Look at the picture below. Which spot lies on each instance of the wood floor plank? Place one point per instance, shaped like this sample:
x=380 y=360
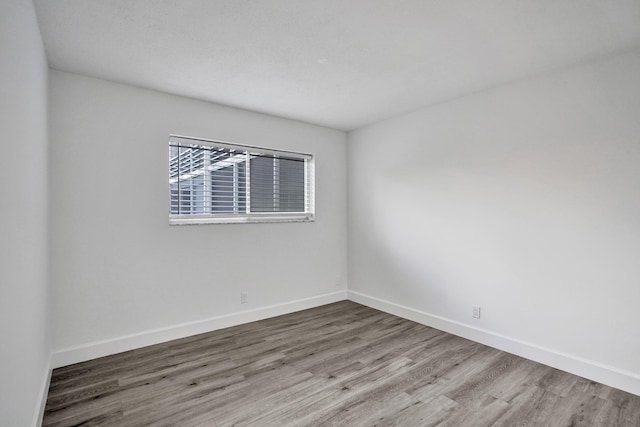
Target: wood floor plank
x=430 y=413
x=533 y=407
x=484 y=412
x=342 y=364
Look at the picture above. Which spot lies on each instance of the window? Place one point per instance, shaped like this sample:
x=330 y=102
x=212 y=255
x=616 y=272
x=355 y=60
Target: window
x=219 y=182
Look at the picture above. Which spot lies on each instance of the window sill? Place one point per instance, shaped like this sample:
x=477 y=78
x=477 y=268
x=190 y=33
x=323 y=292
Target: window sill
x=244 y=219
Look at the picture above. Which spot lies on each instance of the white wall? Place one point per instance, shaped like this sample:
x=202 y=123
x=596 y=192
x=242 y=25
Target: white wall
x=119 y=269
x=24 y=353
x=524 y=200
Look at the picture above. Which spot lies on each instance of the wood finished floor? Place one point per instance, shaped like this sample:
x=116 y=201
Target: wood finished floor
x=342 y=364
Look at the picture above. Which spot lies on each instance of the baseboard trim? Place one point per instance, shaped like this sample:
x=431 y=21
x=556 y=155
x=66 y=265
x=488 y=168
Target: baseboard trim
x=97 y=349
x=609 y=375
x=605 y=374
x=44 y=391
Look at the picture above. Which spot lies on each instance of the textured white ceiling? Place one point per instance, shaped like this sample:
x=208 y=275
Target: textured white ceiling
x=338 y=63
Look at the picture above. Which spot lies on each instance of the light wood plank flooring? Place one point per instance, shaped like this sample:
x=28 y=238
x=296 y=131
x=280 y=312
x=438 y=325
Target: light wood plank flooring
x=342 y=364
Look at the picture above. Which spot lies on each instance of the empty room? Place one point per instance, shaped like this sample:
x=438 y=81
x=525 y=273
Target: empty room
x=320 y=213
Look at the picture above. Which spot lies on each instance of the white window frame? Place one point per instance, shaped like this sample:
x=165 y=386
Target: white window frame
x=239 y=217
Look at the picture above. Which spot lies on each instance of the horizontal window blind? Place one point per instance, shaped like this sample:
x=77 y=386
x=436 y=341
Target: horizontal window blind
x=212 y=181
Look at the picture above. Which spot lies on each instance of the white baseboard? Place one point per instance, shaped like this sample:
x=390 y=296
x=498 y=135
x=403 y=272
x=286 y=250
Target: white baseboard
x=44 y=391
x=97 y=349
x=609 y=375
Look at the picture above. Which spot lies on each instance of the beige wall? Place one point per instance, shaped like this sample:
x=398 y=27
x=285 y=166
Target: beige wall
x=24 y=291
x=120 y=270
x=523 y=200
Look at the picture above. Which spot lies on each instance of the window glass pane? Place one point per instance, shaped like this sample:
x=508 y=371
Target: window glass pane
x=291 y=189
x=216 y=180
x=277 y=184
x=262 y=197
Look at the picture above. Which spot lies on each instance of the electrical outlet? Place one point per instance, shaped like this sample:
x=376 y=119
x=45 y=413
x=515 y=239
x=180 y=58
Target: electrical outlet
x=476 y=311
x=244 y=297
